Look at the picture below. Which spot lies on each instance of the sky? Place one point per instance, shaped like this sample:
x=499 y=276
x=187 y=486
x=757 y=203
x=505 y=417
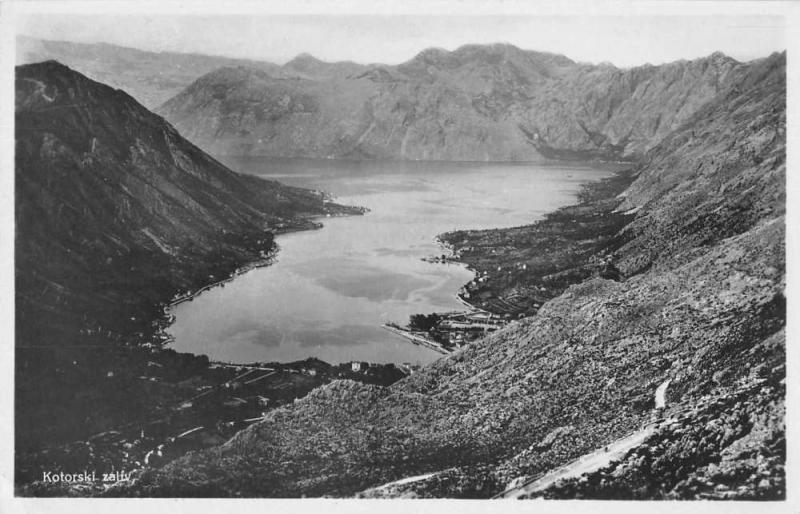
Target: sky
x=622 y=40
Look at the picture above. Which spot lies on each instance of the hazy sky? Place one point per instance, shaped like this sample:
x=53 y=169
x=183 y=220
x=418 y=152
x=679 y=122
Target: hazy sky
x=624 y=41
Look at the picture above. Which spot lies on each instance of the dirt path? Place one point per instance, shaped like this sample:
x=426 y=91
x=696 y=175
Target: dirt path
x=595 y=460
x=385 y=490
x=586 y=463
x=661 y=394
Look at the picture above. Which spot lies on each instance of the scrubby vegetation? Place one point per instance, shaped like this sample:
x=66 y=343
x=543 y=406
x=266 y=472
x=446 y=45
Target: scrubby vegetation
x=698 y=300
x=678 y=275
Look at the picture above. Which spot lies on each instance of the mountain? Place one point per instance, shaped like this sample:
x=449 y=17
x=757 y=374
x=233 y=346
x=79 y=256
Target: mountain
x=150 y=77
x=478 y=102
x=116 y=213
x=102 y=183
x=698 y=308
x=309 y=67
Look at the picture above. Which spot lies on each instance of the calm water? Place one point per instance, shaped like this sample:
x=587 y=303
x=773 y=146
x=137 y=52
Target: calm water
x=331 y=289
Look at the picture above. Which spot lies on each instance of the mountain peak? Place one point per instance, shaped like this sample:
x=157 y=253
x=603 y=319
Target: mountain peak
x=490 y=48
x=432 y=55
x=43 y=83
x=232 y=74
x=48 y=66
x=720 y=59
x=304 y=61
x=305 y=56
x=490 y=53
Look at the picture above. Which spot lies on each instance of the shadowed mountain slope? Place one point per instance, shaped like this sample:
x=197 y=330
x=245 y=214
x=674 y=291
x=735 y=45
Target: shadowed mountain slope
x=116 y=213
x=104 y=187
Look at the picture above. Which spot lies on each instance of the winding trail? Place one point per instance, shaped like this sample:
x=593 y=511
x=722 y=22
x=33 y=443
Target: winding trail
x=661 y=394
x=584 y=464
x=595 y=460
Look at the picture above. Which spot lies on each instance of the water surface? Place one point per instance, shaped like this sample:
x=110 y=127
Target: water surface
x=331 y=289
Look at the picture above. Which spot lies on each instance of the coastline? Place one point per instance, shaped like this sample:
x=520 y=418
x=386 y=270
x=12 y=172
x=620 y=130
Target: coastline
x=486 y=297
x=270 y=257
x=515 y=291
x=540 y=260
x=416 y=339
x=266 y=261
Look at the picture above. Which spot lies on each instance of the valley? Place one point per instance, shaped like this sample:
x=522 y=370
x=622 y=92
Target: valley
x=668 y=270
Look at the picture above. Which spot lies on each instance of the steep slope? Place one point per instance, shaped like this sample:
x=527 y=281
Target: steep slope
x=115 y=214
x=719 y=174
x=700 y=302
x=150 y=77
x=479 y=102
x=684 y=197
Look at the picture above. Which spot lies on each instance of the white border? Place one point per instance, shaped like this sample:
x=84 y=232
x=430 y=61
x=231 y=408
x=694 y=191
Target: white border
x=407 y=7
x=11 y=9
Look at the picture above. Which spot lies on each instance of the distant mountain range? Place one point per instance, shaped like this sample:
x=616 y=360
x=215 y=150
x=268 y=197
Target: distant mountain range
x=478 y=102
x=484 y=103
x=151 y=78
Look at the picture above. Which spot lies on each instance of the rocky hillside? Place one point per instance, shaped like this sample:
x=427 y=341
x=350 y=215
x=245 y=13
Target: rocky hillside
x=478 y=102
x=699 y=301
x=151 y=78
x=115 y=214
x=731 y=445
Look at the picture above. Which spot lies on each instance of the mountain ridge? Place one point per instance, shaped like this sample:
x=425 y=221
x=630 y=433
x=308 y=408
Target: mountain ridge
x=484 y=119
x=478 y=102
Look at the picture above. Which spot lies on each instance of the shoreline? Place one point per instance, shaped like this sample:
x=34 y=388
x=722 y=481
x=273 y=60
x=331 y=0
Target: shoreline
x=271 y=256
x=162 y=366
x=450 y=249
x=541 y=259
x=536 y=262
x=168 y=318
x=188 y=297
x=417 y=340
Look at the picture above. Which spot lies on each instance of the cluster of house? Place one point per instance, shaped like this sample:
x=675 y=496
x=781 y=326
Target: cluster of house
x=363 y=367
x=458 y=328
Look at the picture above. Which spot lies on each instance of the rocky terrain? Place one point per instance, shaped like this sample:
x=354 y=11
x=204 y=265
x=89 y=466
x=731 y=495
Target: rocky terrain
x=697 y=298
x=731 y=445
x=116 y=214
x=478 y=102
